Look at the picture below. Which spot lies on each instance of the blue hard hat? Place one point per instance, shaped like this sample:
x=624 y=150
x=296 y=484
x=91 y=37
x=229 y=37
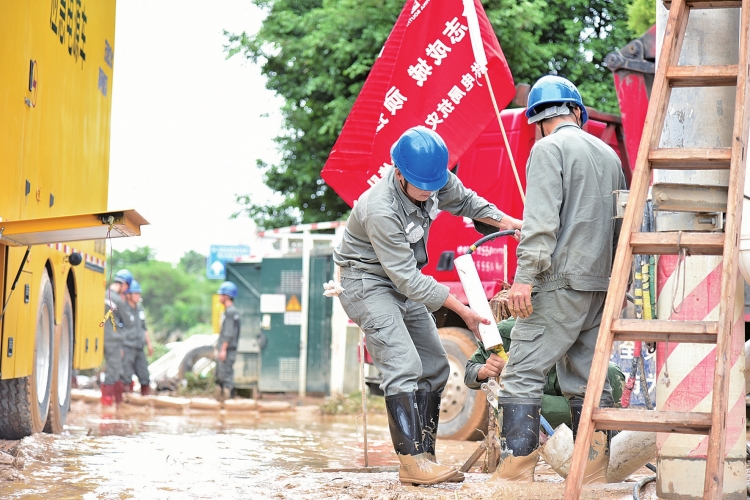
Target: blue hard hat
x=227 y=288
x=421 y=156
x=551 y=91
x=124 y=276
x=135 y=287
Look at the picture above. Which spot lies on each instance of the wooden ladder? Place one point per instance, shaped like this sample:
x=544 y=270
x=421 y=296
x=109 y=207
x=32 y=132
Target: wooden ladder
x=632 y=241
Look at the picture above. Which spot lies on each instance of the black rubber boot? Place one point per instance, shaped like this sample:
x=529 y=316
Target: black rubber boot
x=406 y=433
x=598 y=461
x=519 y=433
x=428 y=404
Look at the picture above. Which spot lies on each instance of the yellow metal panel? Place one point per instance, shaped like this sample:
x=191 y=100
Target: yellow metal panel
x=90 y=311
x=71 y=228
x=17 y=324
x=217 y=309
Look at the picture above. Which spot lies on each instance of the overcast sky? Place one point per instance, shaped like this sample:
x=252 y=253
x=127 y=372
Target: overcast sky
x=187 y=124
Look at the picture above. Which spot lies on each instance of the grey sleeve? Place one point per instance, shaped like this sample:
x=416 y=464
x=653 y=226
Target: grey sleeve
x=470 y=376
x=456 y=199
x=228 y=328
x=541 y=215
x=397 y=259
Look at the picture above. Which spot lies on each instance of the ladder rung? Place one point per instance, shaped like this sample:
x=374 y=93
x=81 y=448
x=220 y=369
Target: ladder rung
x=654 y=330
x=709 y=4
x=702 y=76
x=653 y=421
x=690 y=158
x=666 y=243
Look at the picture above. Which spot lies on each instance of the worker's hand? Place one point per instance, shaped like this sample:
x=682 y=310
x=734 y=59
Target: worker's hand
x=223 y=355
x=492 y=367
x=513 y=223
x=150 y=350
x=473 y=320
x=519 y=300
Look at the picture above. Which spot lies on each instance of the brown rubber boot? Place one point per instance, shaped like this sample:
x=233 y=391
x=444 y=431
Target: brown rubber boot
x=418 y=469
x=598 y=462
x=428 y=405
x=219 y=394
x=516 y=469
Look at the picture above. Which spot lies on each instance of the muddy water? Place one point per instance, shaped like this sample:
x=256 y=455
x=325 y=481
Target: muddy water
x=139 y=452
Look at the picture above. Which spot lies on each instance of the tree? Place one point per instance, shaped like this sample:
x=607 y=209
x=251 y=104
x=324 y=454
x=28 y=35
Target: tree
x=193 y=263
x=641 y=16
x=316 y=54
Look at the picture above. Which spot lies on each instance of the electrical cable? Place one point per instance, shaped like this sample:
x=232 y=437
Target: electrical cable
x=489 y=237
x=640 y=484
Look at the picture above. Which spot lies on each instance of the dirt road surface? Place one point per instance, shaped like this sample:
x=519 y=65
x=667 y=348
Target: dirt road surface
x=147 y=453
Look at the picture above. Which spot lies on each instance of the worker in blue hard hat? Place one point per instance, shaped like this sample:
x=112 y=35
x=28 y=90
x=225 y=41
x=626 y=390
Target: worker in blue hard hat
x=116 y=328
x=229 y=335
x=383 y=250
x=135 y=362
x=564 y=259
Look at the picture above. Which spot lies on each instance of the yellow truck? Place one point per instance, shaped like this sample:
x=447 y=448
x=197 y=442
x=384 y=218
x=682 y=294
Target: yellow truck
x=56 y=67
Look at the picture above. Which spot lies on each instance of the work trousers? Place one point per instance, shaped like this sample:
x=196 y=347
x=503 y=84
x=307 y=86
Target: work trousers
x=225 y=370
x=401 y=335
x=135 y=363
x=113 y=358
x=562 y=329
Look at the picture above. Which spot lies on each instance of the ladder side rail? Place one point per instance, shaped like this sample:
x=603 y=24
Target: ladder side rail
x=661 y=91
x=714 y=479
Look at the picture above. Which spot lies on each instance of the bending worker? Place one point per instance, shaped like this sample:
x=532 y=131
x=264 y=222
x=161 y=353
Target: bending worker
x=565 y=258
x=383 y=249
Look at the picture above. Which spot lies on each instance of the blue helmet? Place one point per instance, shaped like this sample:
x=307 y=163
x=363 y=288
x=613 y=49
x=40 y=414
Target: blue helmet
x=549 y=93
x=135 y=287
x=124 y=276
x=227 y=288
x=421 y=156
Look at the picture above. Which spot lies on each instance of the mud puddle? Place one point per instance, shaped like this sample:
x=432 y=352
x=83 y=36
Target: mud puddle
x=145 y=453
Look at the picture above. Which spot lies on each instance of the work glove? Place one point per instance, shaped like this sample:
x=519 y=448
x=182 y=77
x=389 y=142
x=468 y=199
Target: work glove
x=332 y=289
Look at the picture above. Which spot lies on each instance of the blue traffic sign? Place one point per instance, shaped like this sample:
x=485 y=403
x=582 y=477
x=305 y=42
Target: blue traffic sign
x=220 y=255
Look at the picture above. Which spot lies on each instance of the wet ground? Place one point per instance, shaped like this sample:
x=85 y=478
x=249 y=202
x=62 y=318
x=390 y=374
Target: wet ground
x=147 y=453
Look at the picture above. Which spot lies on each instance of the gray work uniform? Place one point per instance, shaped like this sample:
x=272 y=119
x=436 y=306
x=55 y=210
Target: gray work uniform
x=229 y=333
x=384 y=247
x=115 y=338
x=567 y=246
x=135 y=361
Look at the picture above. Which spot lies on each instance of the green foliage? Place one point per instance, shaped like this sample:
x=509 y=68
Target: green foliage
x=641 y=16
x=176 y=297
x=316 y=54
x=339 y=404
x=159 y=351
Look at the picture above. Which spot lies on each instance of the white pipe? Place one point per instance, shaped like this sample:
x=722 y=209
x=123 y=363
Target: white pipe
x=467 y=272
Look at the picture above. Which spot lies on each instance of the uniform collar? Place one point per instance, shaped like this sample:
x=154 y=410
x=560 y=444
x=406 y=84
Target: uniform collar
x=565 y=124
x=408 y=205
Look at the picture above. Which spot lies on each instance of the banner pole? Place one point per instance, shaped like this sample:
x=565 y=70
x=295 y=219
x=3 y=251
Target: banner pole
x=505 y=139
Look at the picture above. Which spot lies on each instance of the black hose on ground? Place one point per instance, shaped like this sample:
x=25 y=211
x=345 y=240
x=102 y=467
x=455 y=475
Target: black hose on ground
x=640 y=484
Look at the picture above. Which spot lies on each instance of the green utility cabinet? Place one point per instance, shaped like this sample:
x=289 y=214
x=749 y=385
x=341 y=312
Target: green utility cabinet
x=270 y=300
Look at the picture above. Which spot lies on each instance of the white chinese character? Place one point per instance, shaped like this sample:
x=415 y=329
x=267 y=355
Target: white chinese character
x=455 y=30
x=432 y=120
x=384 y=169
x=382 y=123
x=478 y=70
x=456 y=94
x=446 y=107
x=468 y=82
x=420 y=71
x=373 y=180
x=394 y=100
x=626 y=349
x=438 y=51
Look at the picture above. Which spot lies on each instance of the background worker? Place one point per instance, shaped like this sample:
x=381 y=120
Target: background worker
x=384 y=247
x=565 y=257
x=135 y=361
x=116 y=327
x=227 y=344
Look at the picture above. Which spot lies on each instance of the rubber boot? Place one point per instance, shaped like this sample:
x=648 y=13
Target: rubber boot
x=218 y=393
x=226 y=393
x=119 y=389
x=519 y=435
x=129 y=387
x=428 y=404
x=406 y=431
x=598 y=461
x=108 y=394
x=145 y=389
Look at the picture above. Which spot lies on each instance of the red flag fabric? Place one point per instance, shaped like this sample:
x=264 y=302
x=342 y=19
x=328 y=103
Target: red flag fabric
x=425 y=75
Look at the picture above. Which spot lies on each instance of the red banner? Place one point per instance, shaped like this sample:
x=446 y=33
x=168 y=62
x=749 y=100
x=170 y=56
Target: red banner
x=426 y=74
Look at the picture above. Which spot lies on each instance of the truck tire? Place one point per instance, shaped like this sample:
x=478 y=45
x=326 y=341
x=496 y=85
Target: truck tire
x=192 y=356
x=62 y=370
x=24 y=401
x=463 y=411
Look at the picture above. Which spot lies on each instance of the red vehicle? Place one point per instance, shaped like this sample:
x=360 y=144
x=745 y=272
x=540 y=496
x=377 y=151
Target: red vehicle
x=486 y=168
